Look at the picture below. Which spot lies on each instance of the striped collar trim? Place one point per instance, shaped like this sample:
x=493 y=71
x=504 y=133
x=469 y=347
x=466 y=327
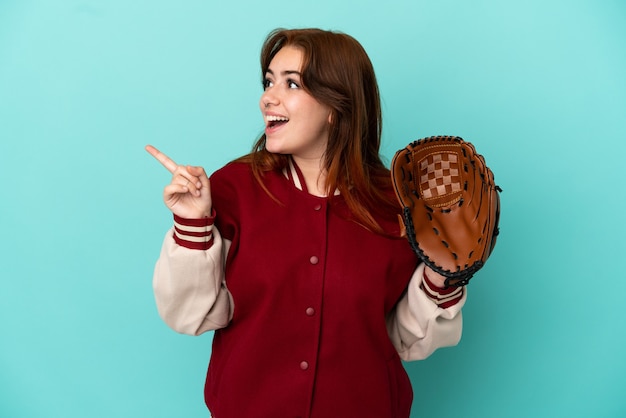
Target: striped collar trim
x=294 y=175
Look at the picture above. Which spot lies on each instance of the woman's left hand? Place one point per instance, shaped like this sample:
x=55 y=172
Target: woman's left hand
x=435 y=278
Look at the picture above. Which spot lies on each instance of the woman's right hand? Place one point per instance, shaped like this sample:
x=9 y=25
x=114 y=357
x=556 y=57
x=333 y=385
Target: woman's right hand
x=189 y=193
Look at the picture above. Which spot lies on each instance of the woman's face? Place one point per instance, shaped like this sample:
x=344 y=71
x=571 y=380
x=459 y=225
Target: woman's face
x=295 y=122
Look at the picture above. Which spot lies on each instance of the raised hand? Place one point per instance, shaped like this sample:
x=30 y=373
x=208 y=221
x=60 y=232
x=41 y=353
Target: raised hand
x=189 y=193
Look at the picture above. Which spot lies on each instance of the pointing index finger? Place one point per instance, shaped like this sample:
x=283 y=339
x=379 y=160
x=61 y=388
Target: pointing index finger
x=166 y=161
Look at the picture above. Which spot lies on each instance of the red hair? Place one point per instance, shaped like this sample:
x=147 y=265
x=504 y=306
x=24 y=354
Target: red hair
x=337 y=72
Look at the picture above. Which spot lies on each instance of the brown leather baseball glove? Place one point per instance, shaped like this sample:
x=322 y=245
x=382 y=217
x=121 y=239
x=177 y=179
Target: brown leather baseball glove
x=450 y=205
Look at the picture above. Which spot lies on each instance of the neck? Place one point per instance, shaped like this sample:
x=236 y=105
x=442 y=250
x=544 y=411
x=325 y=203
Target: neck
x=314 y=175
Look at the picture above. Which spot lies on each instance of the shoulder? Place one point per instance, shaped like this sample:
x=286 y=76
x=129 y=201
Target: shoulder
x=389 y=211
x=228 y=182
x=237 y=180
x=232 y=171
x=241 y=175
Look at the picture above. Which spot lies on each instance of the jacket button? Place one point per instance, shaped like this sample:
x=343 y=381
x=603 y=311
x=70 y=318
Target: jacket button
x=304 y=365
x=314 y=260
x=317 y=207
x=310 y=311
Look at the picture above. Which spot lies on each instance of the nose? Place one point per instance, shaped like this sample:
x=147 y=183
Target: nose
x=268 y=98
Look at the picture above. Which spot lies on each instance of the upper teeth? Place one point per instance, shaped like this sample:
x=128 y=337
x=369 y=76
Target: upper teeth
x=271 y=118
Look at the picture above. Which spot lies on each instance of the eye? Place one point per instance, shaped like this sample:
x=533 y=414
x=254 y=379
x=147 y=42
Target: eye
x=267 y=83
x=292 y=84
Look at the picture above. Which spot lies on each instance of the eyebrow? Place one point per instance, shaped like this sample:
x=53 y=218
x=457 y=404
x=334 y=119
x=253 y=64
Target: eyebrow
x=287 y=72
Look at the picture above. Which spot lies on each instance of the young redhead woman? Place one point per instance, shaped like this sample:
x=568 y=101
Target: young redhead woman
x=293 y=254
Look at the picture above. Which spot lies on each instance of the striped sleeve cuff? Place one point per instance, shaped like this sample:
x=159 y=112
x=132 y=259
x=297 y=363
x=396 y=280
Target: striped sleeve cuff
x=443 y=297
x=196 y=234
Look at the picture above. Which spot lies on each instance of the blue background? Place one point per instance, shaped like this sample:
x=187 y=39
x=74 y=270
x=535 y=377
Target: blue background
x=538 y=86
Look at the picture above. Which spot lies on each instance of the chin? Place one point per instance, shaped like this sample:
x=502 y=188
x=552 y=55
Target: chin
x=273 y=148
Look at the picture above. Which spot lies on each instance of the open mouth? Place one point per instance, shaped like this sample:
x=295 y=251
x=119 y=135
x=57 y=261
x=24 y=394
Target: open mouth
x=274 y=121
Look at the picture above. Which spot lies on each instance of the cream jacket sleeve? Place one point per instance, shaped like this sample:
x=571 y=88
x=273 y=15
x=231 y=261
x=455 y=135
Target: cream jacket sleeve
x=419 y=325
x=189 y=286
